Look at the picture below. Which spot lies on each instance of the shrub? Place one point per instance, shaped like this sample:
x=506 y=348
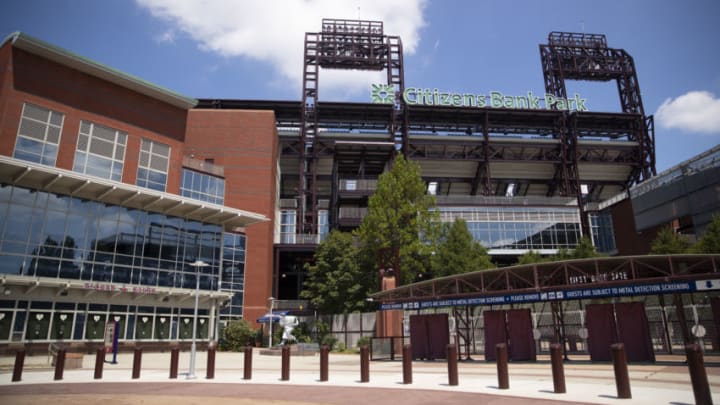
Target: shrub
x=237 y=335
x=363 y=341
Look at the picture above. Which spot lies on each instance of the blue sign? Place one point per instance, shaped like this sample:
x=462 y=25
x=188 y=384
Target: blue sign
x=561 y=295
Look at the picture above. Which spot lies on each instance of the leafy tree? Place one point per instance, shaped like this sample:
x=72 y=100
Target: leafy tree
x=400 y=226
x=584 y=249
x=668 y=242
x=335 y=283
x=459 y=252
x=709 y=242
x=236 y=335
x=531 y=257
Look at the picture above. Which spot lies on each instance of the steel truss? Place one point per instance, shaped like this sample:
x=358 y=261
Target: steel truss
x=343 y=44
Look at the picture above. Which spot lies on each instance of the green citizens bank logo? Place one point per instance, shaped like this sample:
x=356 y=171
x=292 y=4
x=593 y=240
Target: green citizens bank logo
x=383 y=94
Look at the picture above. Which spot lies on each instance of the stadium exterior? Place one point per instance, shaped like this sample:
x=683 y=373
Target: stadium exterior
x=112 y=187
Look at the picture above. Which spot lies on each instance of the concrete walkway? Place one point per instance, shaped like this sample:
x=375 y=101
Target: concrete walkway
x=665 y=382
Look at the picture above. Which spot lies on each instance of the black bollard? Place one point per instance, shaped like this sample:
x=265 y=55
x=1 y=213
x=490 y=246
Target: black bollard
x=407 y=364
x=212 y=348
x=364 y=364
x=285 y=363
x=501 y=353
x=174 y=362
x=324 y=353
x=247 y=363
x=622 y=379
x=59 y=364
x=19 y=364
x=558 y=371
x=137 y=360
x=452 y=363
x=698 y=375
x=99 y=362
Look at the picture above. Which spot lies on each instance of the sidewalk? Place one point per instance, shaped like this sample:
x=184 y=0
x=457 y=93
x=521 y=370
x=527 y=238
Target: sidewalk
x=666 y=382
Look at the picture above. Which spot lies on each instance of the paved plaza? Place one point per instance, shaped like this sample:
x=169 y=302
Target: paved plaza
x=665 y=382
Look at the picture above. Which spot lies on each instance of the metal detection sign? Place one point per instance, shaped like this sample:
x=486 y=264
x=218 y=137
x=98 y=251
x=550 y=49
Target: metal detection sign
x=385 y=94
x=566 y=295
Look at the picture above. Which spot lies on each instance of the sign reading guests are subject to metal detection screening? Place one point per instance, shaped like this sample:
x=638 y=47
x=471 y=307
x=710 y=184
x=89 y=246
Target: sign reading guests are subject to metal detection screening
x=385 y=94
x=562 y=295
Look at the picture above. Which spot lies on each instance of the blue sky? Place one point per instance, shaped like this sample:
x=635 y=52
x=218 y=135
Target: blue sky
x=251 y=49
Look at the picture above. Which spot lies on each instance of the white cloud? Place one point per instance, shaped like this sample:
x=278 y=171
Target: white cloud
x=167 y=37
x=695 y=111
x=273 y=31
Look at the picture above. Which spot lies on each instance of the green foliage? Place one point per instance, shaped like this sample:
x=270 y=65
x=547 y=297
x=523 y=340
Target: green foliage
x=363 y=341
x=236 y=335
x=399 y=212
x=302 y=333
x=329 y=341
x=709 y=242
x=668 y=242
x=335 y=283
x=531 y=257
x=459 y=252
x=584 y=249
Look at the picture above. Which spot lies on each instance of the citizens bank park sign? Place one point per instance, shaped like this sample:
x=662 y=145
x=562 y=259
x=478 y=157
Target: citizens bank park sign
x=385 y=94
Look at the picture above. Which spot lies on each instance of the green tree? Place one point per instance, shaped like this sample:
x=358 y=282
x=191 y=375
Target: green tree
x=668 y=242
x=236 y=335
x=335 y=283
x=400 y=223
x=709 y=242
x=531 y=257
x=584 y=249
x=458 y=252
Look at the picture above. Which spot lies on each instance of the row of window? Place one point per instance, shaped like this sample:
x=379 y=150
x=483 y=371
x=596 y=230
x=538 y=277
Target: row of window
x=41 y=320
x=101 y=151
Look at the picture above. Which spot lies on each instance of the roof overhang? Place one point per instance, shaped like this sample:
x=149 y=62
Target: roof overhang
x=65 y=182
x=66 y=58
x=45 y=288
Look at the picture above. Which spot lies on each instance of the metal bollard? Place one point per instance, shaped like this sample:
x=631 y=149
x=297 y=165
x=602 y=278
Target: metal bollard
x=698 y=375
x=622 y=379
x=174 y=362
x=407 y=364
x=137 y=360
x=452 y=362
x=19 y=364
x=558 y=371
x=364 y=364
x=247 y=363
x=501 y=353
x=210 y=374
x=99 y=362
x=60 y=364
x=324 y=352
x=285 y=363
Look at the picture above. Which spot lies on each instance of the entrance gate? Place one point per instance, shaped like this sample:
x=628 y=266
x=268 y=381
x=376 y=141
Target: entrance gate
x=624 y=323
x=513 y=327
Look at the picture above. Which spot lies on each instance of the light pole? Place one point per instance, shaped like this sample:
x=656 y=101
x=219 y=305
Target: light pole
x=197 y=264
x=272 y=302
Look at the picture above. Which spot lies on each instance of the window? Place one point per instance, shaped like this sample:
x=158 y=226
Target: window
x=203 y=187
x=287 y=226
x=38 y=135
x=153 y=165
x=323 y=224
x=100 y=151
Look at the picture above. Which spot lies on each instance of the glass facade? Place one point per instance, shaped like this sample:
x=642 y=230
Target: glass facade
x=233 y=273
x=287 y=226
x=603 y=236
x=100 y=151
x=38 y=135
x=153 y=165
x=519 y=228
x=203 y=187
x=49 y=235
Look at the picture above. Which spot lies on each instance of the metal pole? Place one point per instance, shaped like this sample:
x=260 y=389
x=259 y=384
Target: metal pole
x=19 y=363
x=698 y=375
x=99 y=361
x=407 y=364
x=364 y=364
x=452 y=363
x=247 y=363
x=285 y=364
x=501 y=353
x=622 y=379
x=272 y=301
x=324 y=350
x=558 y=371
